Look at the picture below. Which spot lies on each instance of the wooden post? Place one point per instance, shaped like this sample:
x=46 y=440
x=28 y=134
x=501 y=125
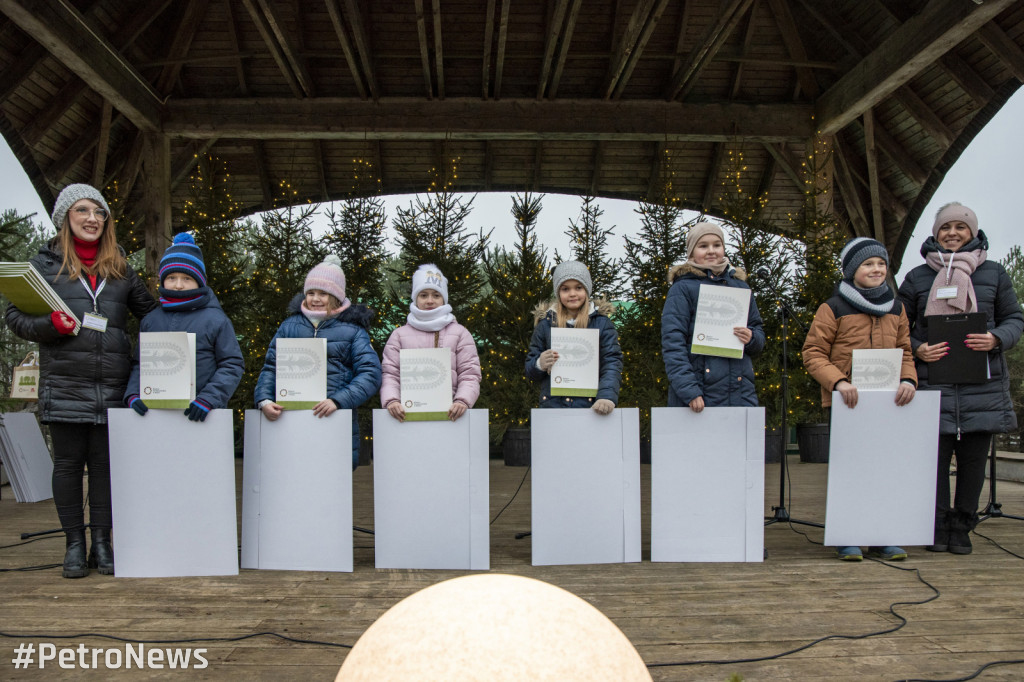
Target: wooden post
x=156 y=211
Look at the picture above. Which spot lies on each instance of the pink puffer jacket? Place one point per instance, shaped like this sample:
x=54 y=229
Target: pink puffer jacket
x=465 y=361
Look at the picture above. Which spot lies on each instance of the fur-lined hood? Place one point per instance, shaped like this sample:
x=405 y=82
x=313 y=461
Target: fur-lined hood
x=356 y=314
x=602 y=306
x=687 y=268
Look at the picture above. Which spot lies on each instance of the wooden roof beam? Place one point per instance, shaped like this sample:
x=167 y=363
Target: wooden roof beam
x=421 y=31
x=631 y=45
x=412 y=118
x=748 y=39
x=871 y=156
x=851 y=196
x=795 y=46
x=538 y=164
x=271 y=28
x=355 y=18
x=789 y=165
x=858 y=169
x=259 y=153
x=563 y=48
x=183 y=35
x=499 y=57
x=69 y=36
x=1004 y=47
x=488 y=48
x=655 y=181
x=925 y=116
x=711 y=181
x=243 y=86
x=595 y=167
x=899 y=155
x=438 y=48
x=936 y=29
x=702 y=54
x=550 y=45
x=321 y=169
x=187 y=159
x=99 y=162
x=337 y=19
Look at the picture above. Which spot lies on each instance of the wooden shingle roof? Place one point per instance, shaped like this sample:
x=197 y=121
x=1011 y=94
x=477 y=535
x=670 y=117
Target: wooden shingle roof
x=573 y=96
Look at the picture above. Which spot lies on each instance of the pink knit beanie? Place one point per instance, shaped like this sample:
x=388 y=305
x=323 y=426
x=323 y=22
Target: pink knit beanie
x=327 y=276
x=955 y=211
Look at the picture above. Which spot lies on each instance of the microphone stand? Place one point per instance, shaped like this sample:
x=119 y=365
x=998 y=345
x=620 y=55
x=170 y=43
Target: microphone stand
x=780 y=514
x=994 y=510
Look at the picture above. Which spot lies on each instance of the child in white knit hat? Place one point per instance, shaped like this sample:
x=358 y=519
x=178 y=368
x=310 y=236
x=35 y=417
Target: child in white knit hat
x=353 y=370
x=431 y=324
x=573 y=307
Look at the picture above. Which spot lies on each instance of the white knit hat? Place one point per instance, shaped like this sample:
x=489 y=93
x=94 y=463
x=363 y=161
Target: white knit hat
x=429 y=276
x=69 y=196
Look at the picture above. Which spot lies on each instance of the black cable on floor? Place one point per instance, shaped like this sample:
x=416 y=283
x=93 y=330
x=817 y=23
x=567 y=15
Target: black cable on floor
x=191 y=640
x=968 y=677
x=513 y=497
x=41 y=567
x=980 y=535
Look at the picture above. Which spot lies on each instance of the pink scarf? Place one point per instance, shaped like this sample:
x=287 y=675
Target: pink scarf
x=317 y=316
x=953 y=271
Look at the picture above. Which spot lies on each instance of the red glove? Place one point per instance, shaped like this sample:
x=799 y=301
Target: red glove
x=61 y=322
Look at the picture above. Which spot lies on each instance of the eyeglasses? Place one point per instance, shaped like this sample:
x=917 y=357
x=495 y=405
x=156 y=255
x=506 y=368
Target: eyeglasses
x=84 y=213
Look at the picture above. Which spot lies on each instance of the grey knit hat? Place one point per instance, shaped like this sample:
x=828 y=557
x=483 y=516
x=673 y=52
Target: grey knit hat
x=858 y=250
x=572 y=269
x=699 y=230
x=72 y=194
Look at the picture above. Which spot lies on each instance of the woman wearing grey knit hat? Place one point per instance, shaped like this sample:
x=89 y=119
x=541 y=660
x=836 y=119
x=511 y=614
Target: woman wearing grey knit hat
x=958 y=278
x=84 y=369
x=572 y=307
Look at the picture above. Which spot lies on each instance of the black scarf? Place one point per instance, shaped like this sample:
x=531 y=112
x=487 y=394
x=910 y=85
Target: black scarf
x=877 y=301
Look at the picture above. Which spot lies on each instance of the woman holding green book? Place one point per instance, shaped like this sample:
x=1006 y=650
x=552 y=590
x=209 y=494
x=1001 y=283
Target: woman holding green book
x=83 y=369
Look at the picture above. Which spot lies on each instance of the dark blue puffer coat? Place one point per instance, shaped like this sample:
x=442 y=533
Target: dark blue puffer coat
x=970 y=408
x=609 y=372
x=353 y=368
x=219 y=363
x=723 y=382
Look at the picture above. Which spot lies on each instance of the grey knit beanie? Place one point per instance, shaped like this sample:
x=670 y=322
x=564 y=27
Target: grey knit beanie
x=69 y=196
x=699 y=230
x=572 y=269
x=858 y=250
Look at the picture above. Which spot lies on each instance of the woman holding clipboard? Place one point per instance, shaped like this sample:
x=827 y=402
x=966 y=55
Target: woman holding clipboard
x=956 y=280
x=83 y=371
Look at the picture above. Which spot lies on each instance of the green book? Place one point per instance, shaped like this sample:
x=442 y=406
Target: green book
x=30 y=293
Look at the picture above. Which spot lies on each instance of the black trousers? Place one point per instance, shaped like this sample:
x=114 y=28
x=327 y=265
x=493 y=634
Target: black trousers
x=75 y=447
x=971 y=453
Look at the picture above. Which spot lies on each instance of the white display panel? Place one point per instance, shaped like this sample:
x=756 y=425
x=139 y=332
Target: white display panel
x=297 y=492
x=707 y=484
x=881 y=470
x=25 y=457
x=586 y=486
x=430 y=492
x=172 y=488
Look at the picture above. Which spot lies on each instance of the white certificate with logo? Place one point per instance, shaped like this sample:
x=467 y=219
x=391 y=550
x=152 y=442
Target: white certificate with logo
x=301 y=377
x=167 y=369
x=876 y=369
x=719 y=309
x=575 y=373
x=426 y=378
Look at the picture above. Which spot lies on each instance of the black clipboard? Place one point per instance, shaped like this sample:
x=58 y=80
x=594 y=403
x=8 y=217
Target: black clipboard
x=962 y=365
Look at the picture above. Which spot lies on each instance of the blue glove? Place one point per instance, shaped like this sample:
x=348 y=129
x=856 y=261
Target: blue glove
x=136 y=404
x=197 y=411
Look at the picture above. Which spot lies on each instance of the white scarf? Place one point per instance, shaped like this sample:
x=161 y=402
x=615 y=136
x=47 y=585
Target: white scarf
x=430 y=320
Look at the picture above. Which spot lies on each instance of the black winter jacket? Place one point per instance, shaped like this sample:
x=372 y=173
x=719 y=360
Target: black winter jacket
x=81 y=376
x=970 y=408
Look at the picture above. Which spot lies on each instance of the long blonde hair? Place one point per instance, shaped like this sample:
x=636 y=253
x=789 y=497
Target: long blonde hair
x=562 y=315
x=110 y=264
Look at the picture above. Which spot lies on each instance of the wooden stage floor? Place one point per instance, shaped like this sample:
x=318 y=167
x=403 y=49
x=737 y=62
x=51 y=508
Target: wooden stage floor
x=671 y=612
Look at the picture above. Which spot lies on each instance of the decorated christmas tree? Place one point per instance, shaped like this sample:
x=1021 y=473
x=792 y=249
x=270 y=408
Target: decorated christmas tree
x=589 y=245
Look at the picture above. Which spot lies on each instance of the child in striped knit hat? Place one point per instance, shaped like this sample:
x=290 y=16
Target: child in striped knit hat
x=188 y=305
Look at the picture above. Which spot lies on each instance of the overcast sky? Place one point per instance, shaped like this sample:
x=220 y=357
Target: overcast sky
x=989 y=178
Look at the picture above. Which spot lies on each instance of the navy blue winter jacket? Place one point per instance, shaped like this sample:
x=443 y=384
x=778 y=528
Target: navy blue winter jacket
x=609 y=372
x=353 y=368
x=219 y=363
x=722 y=382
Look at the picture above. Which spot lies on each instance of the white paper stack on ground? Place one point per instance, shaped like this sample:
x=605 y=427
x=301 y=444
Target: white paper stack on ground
x=881 y=470
x=167 y=369
x=25 y=288
x=297 y=492
x=426 y=383
x=586 y=486
x=707 y=484
x=430 y=492
x=876 y=369
x=301 y=373
x=25 y=457
x=719 y=309
x=575 y=373
x=172 y=486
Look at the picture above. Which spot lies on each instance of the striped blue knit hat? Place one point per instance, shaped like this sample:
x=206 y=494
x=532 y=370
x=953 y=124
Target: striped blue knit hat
x=858 y=250
x=183 y=256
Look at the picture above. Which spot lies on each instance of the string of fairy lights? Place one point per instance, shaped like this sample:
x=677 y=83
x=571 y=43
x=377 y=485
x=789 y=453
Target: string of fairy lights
x=504 y=285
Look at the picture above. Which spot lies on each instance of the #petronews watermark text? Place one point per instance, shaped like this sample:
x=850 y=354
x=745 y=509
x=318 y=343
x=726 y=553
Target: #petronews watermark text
x=111 y=658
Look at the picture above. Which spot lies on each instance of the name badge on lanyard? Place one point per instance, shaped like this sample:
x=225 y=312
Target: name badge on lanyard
x=946 y=292
x=94 y=320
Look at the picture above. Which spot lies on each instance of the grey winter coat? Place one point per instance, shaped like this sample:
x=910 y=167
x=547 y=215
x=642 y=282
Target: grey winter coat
x=81 y=376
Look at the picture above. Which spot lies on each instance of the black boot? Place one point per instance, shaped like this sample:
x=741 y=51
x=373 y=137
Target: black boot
x=941 y=543
x=74 y=557
x=101 y=557
x=960 y=526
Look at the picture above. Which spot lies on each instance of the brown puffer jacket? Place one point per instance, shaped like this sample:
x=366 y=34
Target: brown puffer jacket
x=839 y=328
